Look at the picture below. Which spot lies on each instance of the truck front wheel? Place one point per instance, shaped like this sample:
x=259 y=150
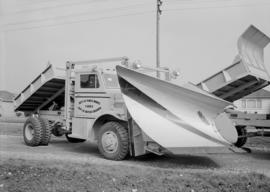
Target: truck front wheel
x=113 y=141
x=32 y=131
x=241 y=130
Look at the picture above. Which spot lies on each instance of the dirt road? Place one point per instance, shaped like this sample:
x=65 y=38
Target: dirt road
x=75 y=162
x=60 y=150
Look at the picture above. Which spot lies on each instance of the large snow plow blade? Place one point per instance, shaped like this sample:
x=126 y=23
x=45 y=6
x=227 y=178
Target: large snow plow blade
x=173 y=116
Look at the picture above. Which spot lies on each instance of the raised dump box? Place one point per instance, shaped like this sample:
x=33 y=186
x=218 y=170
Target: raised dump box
x=49 y=86
x=247 y=74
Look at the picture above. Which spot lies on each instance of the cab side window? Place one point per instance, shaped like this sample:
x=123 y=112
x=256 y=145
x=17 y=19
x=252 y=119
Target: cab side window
x=89 y=81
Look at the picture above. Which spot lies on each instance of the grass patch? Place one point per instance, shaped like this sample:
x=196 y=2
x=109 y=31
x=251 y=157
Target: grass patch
x=33 y=176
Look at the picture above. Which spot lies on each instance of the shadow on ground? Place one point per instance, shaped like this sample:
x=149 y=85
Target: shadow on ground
x=176 y=161
x=262 y=155
x=152 y=160
x=78 y=148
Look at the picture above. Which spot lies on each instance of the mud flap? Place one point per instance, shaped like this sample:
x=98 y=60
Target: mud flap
x=174 y=116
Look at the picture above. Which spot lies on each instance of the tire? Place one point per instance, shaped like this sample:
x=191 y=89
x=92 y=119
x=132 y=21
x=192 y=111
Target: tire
x=241 y=141
x=115 y=136
x=46 y=131
x=56 y=132
x=32 y=131
x=74 y=140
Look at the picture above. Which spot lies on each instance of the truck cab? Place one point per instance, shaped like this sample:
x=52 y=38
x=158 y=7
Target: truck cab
x=96 y=96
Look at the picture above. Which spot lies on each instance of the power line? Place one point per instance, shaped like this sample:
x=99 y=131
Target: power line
x=79 y=14
x=93 y=1
x=83 y=20
x=56 y=6
x=42 y=2
x=215 y=7
x=61 y=5
x=48 y=1
x=190 y=2
x=123 y=8
x=201 y=1
x=123 y=15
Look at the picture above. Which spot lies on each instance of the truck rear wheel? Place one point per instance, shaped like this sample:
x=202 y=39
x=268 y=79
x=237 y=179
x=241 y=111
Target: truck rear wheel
x=32 y=131
x=113 y=141
x=241 y=130
x=74 y=140
x=46 y=131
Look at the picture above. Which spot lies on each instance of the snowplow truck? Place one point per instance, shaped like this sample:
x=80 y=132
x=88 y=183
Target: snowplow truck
x=123 y=108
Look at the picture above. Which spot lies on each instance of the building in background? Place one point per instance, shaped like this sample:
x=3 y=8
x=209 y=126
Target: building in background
x=257 y=102
x=6 y=104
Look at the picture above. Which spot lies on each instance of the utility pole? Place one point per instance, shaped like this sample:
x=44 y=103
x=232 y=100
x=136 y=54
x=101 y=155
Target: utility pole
x=159 y=3
x=2 y=47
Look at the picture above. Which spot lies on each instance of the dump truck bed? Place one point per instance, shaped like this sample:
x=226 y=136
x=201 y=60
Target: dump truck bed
x=47 y=87
x=235 y=81
x=247 y=74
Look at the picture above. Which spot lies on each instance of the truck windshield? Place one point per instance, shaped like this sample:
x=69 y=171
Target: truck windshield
x=110 y=80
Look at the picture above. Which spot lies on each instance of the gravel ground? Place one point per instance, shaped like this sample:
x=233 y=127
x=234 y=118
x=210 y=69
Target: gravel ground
x=63 y=166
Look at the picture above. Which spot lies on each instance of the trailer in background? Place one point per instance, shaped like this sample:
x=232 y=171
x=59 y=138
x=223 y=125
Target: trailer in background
x=246 y=75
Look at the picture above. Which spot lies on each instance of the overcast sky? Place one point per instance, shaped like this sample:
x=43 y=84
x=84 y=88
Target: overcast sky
x=198 y=37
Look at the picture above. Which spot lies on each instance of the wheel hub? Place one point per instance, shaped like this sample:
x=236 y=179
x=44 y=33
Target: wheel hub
x=109 y=142
x=29 y=132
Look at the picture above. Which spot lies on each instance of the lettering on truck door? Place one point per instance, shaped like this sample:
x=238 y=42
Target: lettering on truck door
x=90 y=96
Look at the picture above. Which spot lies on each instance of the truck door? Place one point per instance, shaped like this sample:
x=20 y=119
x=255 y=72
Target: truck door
x=90 y=96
